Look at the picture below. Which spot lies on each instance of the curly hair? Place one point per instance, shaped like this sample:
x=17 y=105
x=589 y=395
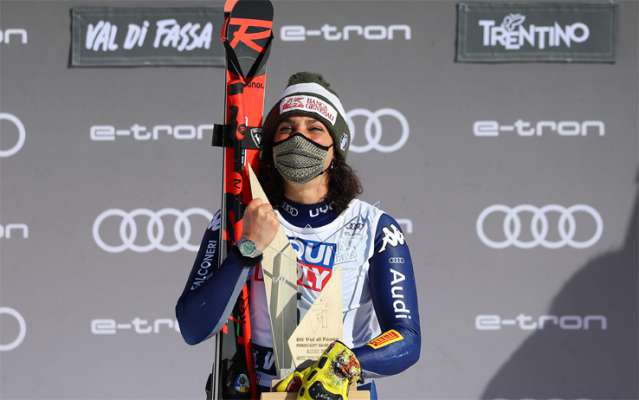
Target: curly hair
x=343 y=183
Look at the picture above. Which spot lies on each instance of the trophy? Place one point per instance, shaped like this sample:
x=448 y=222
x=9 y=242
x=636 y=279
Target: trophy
x=295 y=343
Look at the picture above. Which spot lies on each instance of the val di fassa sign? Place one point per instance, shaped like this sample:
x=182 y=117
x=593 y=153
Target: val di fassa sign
x=105 y=36
x=538 y=31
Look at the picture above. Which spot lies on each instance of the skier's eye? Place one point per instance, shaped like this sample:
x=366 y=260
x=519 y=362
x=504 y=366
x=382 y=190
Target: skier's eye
x=317 y=128
x=285 y=128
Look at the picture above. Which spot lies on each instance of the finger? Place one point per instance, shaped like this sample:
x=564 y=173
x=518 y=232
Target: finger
x=266 y=206
x=265 y=210
x=254 y=204
x=291 y=383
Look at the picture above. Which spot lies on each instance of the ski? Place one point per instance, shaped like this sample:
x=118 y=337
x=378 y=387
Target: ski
x=247 y=35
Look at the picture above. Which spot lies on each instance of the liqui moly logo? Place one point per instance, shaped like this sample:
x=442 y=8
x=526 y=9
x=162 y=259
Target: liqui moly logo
x=512 y=34
x=315 y=262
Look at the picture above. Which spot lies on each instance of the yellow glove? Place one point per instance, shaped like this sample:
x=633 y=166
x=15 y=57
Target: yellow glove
x=326 y=379
x=293 y=381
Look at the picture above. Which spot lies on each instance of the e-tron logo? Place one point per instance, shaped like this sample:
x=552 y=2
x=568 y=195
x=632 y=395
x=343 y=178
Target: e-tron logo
x=137 y=325
x=155 y=229
x=331 y=33
x=9 y=231
x=512 y=35
x=523 y=128
x=540 y=398
x=22 y=328
x=22 y=134
x=8 y=36
x=540 y=226
x=142 y=133
x=491 y=322
x=373 y=131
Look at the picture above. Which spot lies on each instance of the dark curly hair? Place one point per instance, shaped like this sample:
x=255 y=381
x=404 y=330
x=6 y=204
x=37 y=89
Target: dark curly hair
x=343 y=183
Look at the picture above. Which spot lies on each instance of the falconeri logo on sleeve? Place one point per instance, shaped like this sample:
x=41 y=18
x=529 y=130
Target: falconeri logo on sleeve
x=538 y=31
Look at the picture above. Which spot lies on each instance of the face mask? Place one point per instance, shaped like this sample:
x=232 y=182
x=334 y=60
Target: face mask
x=299 y=159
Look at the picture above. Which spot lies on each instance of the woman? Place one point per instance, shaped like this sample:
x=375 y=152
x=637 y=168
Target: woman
x=305 y=176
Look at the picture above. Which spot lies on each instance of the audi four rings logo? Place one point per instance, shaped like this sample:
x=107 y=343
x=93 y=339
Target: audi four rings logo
x=373 y=129
x=539 y=226
x=22 y=135
x=155 y=229
x=22 y=329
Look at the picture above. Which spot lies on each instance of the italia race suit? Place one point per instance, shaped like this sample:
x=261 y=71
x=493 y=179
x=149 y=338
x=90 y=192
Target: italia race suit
x=380 y=309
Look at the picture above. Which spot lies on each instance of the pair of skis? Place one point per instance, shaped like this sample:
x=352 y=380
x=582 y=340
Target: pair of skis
x=247 y=36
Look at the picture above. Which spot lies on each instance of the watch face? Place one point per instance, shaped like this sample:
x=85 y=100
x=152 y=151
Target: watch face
x=247 y=248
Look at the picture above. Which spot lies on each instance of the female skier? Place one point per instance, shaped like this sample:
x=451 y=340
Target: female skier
x=305 y=176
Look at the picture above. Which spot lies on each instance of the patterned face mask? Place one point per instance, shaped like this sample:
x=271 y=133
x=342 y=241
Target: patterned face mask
x=299 y=159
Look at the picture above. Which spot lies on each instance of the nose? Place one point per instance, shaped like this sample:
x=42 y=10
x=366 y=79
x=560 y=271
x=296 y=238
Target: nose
x=303 y=130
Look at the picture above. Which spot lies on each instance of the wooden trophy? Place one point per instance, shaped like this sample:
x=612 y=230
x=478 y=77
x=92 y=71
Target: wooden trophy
x=322 y=324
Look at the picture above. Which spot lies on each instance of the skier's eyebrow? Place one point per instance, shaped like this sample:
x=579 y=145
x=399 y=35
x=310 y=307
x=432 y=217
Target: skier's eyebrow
x=308 y=121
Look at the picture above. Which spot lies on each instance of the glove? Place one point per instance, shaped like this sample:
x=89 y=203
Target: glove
x=325 y=379
x=293 y=381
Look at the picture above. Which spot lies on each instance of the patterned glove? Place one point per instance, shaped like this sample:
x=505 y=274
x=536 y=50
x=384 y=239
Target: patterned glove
x=326 y=379
x=293 y=381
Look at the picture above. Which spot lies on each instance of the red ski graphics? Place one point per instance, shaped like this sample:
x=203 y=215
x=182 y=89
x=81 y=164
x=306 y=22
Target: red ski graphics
x=308 y=103
x=315 y=262
x=241 y=34
x=247 y=36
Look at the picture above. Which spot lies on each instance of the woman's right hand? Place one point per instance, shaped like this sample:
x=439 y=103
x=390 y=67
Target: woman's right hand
x=260 y=223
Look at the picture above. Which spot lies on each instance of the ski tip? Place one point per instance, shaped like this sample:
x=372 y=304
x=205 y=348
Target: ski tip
x=228 y=5
x=257 y=9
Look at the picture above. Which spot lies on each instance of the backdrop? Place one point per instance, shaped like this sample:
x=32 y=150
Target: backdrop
x=516 y=184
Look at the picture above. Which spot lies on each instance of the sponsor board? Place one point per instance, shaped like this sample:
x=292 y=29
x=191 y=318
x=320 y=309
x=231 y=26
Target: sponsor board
x=14 y=231
x=22 y=134
x=135 y=36
x=137 y=325
x=14 y=36
x=152 y=233
x=535 y=31
x=523 y=128
x=374 y=129
x=495 y=322
x=566 y=233
x=11 y=313
x=146 y=133
x=332 y=33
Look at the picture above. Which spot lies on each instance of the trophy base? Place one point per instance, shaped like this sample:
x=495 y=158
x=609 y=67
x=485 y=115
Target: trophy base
x=353 y=394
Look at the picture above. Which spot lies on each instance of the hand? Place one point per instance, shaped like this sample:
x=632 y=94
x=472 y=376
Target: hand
x=293 y=381
x=328 y=377
x=260 y=223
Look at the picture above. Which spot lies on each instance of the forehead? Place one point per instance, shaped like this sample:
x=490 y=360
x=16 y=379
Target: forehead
x=299 y=119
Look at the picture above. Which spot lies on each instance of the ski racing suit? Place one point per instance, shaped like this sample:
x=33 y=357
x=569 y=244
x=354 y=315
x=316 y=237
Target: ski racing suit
x=381 y=316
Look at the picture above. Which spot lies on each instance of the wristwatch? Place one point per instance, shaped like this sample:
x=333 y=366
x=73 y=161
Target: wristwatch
x=247 y=248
